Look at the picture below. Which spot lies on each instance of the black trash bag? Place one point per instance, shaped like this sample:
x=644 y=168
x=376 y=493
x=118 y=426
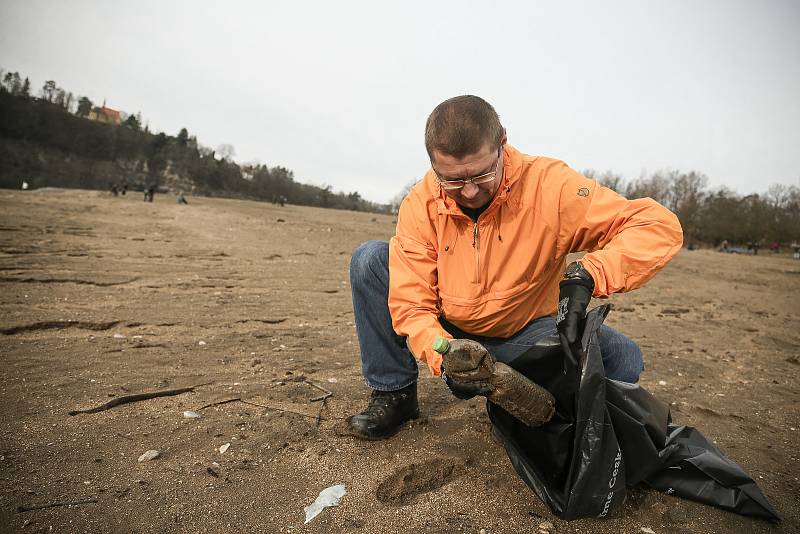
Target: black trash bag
x=606 y=435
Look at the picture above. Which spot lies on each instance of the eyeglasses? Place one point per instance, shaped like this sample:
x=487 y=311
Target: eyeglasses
x=455 y=185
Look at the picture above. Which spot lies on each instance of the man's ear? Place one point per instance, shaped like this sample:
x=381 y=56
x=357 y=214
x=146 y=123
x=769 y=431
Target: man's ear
x=504 y=140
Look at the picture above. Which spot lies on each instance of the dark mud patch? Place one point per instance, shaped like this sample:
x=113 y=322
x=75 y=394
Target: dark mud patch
x=412 y=480
x=711 y=412
x=265 y=321
x=149 y=346
x=675 y=311
x=58 y=325
x=65 y=281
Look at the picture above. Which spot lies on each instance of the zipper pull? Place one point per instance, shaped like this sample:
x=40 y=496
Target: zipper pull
x=474 y=234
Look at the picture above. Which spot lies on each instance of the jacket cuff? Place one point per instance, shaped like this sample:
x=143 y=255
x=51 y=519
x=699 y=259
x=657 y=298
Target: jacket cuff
x=421 y=348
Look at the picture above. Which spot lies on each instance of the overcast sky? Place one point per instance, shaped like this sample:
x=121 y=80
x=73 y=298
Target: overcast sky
x=339 y=91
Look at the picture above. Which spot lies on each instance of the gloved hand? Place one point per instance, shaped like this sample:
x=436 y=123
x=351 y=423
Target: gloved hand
x=464 y=391
x=575 y=293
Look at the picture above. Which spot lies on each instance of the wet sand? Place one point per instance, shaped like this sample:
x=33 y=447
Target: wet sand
x=104 y=297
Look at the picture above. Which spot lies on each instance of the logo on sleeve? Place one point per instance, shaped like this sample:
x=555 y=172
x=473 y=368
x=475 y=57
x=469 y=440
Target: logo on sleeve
x=583 y=192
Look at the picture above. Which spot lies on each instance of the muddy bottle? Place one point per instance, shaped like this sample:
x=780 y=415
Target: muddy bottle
x=468 y=362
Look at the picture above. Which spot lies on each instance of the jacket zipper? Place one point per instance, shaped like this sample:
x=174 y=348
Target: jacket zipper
x=476 y=244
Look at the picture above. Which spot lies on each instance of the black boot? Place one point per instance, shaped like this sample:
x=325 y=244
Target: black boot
x=386 y=413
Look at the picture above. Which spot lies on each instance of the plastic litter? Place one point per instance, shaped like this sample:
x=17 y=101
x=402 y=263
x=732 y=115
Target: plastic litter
x=608 y=435
x=328 y=497
x=189 y=414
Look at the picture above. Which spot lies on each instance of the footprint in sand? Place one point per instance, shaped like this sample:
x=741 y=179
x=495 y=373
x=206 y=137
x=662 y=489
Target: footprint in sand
x=409 y=481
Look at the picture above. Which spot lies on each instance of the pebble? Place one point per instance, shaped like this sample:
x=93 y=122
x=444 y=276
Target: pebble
x=332 y=380
x=662 y=382
x=201 y=343
x=189 y=414
x=223 y=448
x=547 y=526
x=646 y=530
x=152 y=454
x=119 y=336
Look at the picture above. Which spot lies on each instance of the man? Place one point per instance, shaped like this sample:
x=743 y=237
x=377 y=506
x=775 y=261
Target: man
x=480 y=253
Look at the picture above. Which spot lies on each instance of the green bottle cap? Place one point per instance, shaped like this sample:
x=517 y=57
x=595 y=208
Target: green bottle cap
x=441 y=345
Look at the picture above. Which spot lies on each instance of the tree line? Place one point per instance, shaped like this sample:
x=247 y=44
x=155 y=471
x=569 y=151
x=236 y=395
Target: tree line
x=47 y=140
x=710 y=217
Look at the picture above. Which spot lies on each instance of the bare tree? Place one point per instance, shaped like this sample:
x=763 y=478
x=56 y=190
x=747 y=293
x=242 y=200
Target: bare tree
x=61 y=98
x=778 y=195
x=399 y=197
x=49 y=90
x=612 y=181
x=686 y=199
x=226 y=151
x=656 y=187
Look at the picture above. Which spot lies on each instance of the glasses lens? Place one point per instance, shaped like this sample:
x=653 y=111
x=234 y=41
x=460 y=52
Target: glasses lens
x=483 y=179
x=451 y=185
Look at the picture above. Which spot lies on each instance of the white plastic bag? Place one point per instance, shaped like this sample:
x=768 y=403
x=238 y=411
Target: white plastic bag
x=327 y=497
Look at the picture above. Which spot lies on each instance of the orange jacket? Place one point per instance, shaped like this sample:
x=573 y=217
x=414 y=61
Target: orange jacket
x=493 y=277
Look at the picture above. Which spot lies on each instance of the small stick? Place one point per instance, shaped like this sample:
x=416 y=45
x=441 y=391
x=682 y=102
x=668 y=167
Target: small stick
x=226 y=401
x=30 y=508
x=277 y=409
x=136 y=398
x=322 y=389
x=321 y=397
x=321 y=407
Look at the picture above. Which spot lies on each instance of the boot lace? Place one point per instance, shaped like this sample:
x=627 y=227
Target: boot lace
x=379 y=402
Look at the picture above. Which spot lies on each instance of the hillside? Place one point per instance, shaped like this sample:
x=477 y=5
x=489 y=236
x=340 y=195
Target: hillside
x=44 y=144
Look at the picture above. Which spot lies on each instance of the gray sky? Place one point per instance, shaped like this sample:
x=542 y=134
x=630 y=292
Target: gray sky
x=339 y=91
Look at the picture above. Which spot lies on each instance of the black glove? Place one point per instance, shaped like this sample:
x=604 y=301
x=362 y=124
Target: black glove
x=464 y=391
x=575 y=293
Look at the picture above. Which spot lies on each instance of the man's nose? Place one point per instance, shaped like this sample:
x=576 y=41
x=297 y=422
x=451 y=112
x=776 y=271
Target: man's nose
x=470 y=191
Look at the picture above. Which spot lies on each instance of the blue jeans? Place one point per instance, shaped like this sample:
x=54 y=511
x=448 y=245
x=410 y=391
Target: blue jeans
x=388 y=365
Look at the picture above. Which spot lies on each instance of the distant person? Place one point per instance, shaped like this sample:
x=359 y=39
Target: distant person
x=114 y=190
x=148 y=193
x=724 y=246
x=124 y=189
x=282 y=200
x=181 y=199
x=24 y=185
x=480 y=252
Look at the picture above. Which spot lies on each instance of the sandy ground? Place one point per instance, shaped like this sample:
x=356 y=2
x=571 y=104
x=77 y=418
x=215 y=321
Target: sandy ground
x=104 y=297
